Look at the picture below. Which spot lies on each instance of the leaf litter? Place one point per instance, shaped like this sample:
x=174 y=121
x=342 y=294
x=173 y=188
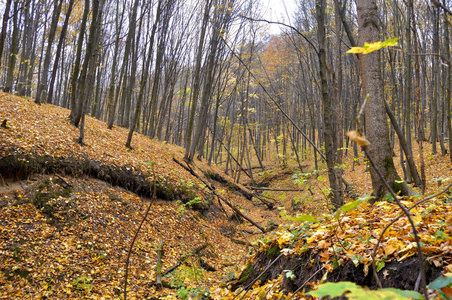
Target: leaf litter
x=74 y=245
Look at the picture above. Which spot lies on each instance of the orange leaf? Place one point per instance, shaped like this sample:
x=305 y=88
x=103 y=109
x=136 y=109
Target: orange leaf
x=447 y=291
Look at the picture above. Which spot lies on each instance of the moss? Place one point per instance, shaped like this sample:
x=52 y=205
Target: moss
x=165 y=191
x=46 y=191
x=391 y=175
x=16 y=271
x=249 y=272
x=388 y=163
x=273 y=252
x=271 y=225
x=397 y=186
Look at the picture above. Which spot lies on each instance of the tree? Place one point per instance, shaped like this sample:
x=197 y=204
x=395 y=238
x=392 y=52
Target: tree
x=145 y=76
x=123 y=75
x=377 y=131
x=4 y=27
x=88 y=69
x=335 y=180
x=78 y=57
x=42 y=84
x=58 y=52
x=14 y=46
x=196 y=81
x=220 y=22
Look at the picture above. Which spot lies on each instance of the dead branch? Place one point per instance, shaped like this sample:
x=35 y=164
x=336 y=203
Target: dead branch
x=212 y=189
x=154 y=196
x=256 y=188
x=184 y=258
x=158 y=276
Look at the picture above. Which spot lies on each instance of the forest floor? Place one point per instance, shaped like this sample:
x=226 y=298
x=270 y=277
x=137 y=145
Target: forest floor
x=68 y=213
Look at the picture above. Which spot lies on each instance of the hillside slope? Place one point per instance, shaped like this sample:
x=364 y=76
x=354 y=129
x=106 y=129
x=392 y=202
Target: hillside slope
x=65 y=234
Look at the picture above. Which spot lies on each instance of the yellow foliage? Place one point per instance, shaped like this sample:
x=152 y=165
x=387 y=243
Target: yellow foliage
x=371 y=47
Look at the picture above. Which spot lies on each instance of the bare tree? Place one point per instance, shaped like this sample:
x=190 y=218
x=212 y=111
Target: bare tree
x=42 y=85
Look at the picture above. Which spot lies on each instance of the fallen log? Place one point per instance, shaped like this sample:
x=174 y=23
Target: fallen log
x=212 y=189
x=256 y=188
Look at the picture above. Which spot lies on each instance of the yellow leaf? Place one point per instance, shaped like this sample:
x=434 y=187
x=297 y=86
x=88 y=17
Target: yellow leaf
x=358 y=138
x=371 y=47
x=284 y=238
x=417 y=219
x=449 y=268
x=356 y=50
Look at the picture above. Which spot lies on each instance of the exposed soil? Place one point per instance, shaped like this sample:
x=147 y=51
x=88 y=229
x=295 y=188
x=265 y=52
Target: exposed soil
x=308 y=268
x=19 y=166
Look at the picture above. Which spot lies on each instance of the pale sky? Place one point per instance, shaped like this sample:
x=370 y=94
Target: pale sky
x=278 y=11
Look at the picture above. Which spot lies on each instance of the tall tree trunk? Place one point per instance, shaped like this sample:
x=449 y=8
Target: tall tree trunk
x=435 y=68
x=78 y=58
x=448 y=82
x=337 y=196
x=419 y=106
x=377 y=131
x=124 y=71
x=111 y=104
x=145 y=76
x=408 y=80
x=337 y=89
x=128 y=91
x=4 y=28
x=27 y=42
x=196 y=81
x=58 y=52
x=42 y=84
x=89 y=68
x=14 y=50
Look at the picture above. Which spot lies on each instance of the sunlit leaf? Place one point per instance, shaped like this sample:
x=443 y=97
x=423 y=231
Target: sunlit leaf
x=371 y=47
x=357 y=138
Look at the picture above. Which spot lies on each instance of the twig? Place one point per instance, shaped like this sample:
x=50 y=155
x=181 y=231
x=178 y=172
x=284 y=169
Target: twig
x=137 y=231
x=270 y=205
x=303 y=285
x=257 y=278
x=403 y=214
x=285 y=25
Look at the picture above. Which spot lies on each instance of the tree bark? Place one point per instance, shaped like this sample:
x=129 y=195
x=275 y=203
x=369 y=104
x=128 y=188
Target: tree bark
x=14 y=52
x=58 y=52
x=196 y=81
x=42 y=84
x=4 y=28
x=377 y=131
x=337 y=196
x=78 y=57
x=144 y=77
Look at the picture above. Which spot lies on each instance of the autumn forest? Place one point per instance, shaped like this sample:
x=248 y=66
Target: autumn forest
x=172 y=149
